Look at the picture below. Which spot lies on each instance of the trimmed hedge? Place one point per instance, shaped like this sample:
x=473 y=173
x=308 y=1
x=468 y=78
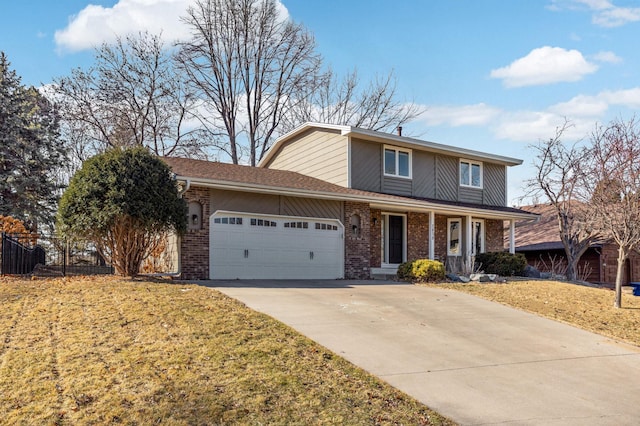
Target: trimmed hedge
x=502 y=263
x=422 y=270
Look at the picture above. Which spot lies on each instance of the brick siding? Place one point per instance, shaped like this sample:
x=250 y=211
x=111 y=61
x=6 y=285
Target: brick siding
x=194 y=244
x=376 y=238
x=441 y=237
x=357 y=252
x=493 y=235
x=417 y=236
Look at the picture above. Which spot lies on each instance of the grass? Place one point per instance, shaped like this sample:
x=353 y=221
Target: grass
x=585 y=307
x=99 y=350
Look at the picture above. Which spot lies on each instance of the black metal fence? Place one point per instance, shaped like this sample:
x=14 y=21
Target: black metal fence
x=29 y=254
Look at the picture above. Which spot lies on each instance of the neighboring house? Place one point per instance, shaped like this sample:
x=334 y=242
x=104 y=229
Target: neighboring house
x=540 y=243
x=332 y=201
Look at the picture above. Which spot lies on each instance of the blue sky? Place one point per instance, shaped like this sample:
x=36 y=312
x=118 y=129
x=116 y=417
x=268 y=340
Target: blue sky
x=492 y=75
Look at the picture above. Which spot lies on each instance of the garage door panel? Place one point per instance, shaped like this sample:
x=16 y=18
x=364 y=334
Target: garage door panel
x=271 y=247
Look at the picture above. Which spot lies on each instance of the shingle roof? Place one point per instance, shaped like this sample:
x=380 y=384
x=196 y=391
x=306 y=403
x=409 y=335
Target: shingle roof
x=505 y=209
x=234 y=173
x=545 y=231
x=231 y=175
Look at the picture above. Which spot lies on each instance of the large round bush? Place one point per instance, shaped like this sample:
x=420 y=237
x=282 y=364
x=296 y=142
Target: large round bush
x=125 y=201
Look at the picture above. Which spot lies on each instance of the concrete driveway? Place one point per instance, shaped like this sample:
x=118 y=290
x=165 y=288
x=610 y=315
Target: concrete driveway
x=474 y=361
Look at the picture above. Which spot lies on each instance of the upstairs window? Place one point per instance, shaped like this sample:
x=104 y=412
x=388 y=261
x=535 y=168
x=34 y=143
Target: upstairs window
x=397 y=162
x=471 y=173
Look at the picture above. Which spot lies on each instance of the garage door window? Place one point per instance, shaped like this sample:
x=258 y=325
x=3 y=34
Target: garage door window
x=299 y=225
x=328 y=227
x=228 y=220
x=262 y=222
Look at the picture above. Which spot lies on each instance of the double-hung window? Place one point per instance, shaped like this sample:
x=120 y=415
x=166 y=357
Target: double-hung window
x=397 y=162
x=470 y=173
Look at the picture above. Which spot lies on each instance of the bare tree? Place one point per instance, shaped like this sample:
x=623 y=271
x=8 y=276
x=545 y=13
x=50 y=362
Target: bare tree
x=250 y=66
x=132 y=96
x=336 y=101
x=615 y=187
x=260 y=76
x=560 y=180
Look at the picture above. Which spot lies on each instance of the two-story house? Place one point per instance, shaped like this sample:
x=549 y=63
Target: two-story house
x=330 y=201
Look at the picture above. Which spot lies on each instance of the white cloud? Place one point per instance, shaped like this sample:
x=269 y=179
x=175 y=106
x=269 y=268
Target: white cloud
x=581 y=106
x=95 y=25
x=606 y=56
x=545 y=65
x=467 y=115
x=531 y=126
x=582 y=111
x=605 y=13
x=616 y=17
x=629 y=98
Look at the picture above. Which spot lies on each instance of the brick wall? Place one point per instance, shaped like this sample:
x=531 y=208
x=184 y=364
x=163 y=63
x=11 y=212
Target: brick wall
x=376 y=238
x=357 y=246
x=441 y=237
x=417 y=236
x=493 y=235
x=194 y=244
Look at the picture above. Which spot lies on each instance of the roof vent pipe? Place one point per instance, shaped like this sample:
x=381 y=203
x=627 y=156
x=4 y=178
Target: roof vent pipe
x=399 y=130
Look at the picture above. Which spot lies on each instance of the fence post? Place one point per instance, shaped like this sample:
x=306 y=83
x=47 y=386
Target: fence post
x=2 y=253
x=64 y=258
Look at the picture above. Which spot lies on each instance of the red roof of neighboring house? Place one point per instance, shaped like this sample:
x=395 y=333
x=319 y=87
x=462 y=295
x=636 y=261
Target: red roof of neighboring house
x=541 y=235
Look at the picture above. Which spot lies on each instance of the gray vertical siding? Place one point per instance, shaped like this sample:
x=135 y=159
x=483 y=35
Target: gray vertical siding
x=366 y=165
x=424 y=174
x=447 y=178
x=494 y=181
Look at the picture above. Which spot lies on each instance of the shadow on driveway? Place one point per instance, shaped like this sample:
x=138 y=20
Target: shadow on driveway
x=312 y=284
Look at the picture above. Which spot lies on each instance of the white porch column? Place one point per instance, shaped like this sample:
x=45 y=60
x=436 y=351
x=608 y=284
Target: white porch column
x=512 y=236
x=468 y=241
x=432 y=235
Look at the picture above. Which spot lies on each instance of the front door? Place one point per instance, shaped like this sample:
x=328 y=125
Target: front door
x=395 y=239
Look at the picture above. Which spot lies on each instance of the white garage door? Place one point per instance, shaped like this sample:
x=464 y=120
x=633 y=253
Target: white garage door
x=248 y=246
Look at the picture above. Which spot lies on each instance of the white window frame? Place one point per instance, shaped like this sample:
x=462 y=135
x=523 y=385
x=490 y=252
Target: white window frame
x=471 y=163
x=397 y=161
x=473 y=237
x=460 y=230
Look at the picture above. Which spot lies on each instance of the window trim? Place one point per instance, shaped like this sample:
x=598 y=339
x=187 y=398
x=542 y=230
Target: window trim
x=396 y=150
x=449 y=221
x=469 y=183
x=483 y=233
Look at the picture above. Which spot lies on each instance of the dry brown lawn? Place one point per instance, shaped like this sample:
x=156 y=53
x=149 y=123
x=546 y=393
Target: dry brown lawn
x=585 y=307
x=106 y=351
